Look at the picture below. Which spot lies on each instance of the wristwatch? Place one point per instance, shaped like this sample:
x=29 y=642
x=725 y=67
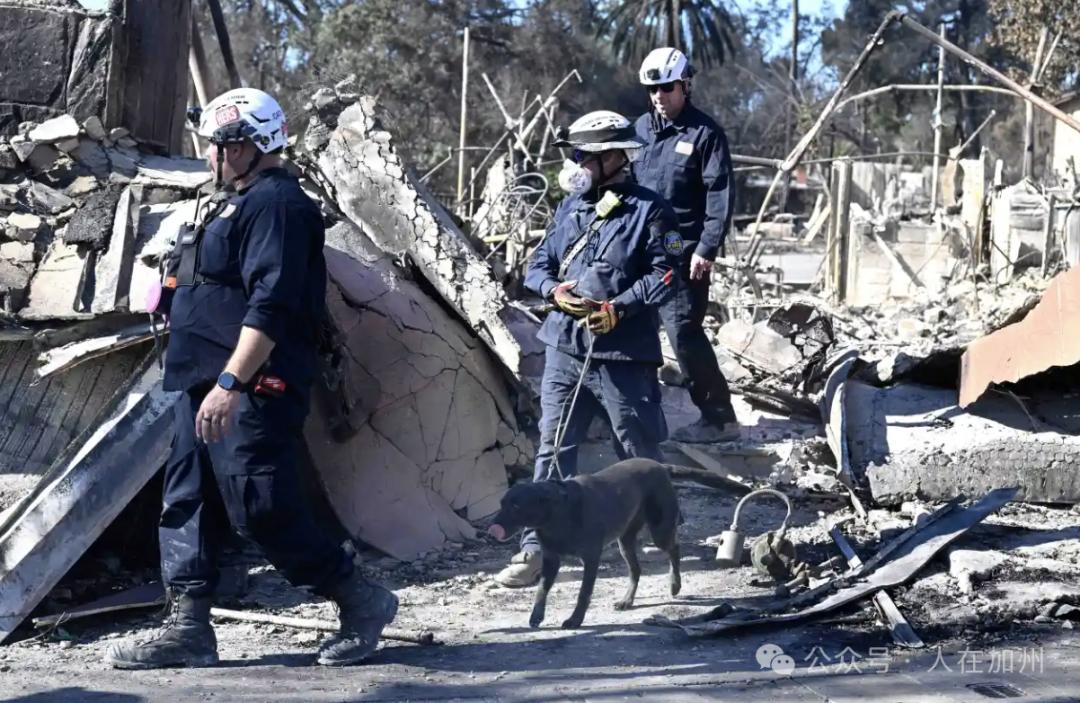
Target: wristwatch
x=229 y=382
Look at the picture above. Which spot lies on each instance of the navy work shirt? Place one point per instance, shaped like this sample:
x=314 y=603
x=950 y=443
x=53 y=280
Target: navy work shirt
x=262 y=257
x=688 y=162
x=628 y=260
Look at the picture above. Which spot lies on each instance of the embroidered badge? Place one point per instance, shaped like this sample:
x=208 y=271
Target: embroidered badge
x=673 y=243
x=685 y=148
x=229 y=210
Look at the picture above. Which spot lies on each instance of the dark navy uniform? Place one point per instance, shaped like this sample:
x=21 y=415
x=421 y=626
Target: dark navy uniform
x=626 y=257
x=260 y=264
x=689 y=164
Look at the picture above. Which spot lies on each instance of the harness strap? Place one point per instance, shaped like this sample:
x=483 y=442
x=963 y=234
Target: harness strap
x=579 y=245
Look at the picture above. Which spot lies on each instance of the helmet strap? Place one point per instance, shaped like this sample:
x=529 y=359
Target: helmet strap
x=219 y=179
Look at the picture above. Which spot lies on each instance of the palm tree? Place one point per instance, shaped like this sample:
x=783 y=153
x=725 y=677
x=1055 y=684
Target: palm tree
x=701 y=29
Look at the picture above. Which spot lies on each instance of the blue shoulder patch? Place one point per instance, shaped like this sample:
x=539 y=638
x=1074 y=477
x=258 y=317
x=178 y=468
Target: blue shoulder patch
x=673 y=243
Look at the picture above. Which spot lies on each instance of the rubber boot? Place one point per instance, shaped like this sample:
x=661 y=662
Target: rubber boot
x=364 y=610
x=187 y=639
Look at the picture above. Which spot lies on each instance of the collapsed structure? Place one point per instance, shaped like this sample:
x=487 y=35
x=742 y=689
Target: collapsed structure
x=893 y=337
x=411 y=438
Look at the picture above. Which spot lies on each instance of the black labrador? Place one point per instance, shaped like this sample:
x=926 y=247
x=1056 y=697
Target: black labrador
x=580 y=516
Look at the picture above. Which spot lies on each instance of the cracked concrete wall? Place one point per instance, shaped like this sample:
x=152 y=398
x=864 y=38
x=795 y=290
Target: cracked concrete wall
x=356 y=157
x=914 y=441
x=436 y=439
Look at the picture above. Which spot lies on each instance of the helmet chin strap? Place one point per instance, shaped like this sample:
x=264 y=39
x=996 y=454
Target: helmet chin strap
x=219 y=177
x=603 y=178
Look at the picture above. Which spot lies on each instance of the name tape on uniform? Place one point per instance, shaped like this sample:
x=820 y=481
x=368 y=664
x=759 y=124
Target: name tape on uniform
x=686 y=148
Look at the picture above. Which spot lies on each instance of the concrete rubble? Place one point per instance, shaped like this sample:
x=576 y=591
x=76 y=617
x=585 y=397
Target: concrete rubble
x=412 y=447
x=881 y=363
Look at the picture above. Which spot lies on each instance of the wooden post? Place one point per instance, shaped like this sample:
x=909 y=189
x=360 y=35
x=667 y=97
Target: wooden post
x=1048 y=232
x=836 y=276
x=155 y=40
x=1029 y=108
x=461 y=137
x=937 y=122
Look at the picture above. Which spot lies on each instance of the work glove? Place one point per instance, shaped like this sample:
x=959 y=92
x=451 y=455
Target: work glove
x=570 y=303
x=602 y=320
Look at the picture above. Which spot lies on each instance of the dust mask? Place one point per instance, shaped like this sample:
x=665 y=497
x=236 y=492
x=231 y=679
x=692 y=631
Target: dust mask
x=574 y=178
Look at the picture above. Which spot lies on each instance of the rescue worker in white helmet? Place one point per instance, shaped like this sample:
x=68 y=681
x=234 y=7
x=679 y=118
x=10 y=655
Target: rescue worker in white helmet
x=686 y=160
x=606 y=263
x=245 y=300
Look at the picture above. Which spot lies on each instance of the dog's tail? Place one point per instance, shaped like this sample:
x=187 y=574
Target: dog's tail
x=707 y=478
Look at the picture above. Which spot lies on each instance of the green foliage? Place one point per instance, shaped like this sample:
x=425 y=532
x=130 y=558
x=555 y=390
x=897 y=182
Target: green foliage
x=408 y=54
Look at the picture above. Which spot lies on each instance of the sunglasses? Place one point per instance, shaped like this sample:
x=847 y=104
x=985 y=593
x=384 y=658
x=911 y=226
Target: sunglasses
x=665 y=88
x=580 y=157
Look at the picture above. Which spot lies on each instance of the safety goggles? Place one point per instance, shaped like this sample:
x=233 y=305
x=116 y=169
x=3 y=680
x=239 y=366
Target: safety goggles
x=664 y=88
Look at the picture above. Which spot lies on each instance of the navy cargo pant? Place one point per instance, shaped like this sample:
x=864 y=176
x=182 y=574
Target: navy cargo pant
x=683 y=316
x=628 y=392
x=251 y=480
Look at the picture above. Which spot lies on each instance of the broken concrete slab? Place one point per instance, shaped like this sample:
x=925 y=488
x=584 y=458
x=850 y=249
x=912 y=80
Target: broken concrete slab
x=913 y=441
x=55 y=130
x=759 y=346
x=395 y=210
x=1007 y=355
x=17 y=252
x=56 y=288
x=112 y=270
x=430 y=444
x=175 y=172
x=46 y=200
x=23 y=226
x=82 y=494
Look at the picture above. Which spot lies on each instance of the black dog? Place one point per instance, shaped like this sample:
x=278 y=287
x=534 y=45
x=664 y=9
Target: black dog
x=581 y=515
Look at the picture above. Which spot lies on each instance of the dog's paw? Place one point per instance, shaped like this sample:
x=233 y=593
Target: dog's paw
x=676 y=585
x=536 y=618
x=572 y=623
x=624 y=604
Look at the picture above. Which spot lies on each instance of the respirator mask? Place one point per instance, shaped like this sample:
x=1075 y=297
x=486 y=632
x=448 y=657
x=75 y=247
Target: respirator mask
x=575 y=178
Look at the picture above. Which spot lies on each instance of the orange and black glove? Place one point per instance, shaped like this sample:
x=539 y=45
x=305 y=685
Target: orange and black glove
x=602 y=320
x=570 y=303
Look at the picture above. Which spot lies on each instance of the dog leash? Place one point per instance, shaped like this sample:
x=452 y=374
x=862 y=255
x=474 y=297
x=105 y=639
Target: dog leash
x=564 y=417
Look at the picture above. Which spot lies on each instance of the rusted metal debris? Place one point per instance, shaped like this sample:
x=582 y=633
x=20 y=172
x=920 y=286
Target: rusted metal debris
x=1045 y=338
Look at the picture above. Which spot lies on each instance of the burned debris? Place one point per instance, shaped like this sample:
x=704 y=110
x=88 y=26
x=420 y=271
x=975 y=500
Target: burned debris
x=878 y=343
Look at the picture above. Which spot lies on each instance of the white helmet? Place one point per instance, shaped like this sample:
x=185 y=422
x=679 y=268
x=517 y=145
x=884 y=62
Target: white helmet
x=243 y=113
x=602 y=130
x=665 y=65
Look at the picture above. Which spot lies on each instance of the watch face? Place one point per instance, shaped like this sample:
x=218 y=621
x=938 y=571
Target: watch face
x=227 y=381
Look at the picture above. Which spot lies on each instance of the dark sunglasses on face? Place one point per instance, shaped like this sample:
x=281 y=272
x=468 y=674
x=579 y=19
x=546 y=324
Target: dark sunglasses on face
x=666 y=88
x=580 y=157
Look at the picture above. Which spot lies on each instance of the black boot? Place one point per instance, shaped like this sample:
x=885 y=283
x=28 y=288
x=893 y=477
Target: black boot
x=364 y=609
x=187 y=640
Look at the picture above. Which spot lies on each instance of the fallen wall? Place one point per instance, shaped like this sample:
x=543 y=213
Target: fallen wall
x=354 y=153
x=435 y=431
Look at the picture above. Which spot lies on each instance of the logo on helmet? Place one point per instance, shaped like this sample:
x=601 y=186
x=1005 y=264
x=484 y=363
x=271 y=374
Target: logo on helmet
x=226 y=115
